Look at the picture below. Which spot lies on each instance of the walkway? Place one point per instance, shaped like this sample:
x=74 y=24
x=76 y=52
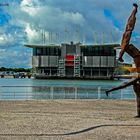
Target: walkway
x=69 y=120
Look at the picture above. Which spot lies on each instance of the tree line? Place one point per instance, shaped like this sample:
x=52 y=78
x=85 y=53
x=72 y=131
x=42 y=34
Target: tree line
x=15 y=69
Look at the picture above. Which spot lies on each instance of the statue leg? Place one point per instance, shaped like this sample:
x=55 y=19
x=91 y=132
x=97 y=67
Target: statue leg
x=137 y=92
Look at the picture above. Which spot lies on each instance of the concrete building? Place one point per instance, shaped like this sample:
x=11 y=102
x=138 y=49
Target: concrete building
x=74 y=61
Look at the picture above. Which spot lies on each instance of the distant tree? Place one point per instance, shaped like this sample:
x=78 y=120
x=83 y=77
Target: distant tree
x=2 y=69
x=16 y=69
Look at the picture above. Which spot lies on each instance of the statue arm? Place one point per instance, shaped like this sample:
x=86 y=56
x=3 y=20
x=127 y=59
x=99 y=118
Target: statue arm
x=123 y=85
x=128 y=31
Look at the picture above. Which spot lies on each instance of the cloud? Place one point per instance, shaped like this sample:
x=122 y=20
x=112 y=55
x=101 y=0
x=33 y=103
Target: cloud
x=32 y=34
x=6 y=39
x=99 y=21
x=15 y=58
x=35 y=17
x=28 y=7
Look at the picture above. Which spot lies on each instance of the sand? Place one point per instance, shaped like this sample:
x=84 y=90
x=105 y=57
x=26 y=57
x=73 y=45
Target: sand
x=69 y=120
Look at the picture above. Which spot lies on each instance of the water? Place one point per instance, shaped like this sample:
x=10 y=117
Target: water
x=29 y=89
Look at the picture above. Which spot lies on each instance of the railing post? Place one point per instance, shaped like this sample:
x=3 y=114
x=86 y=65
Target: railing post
x=25 y=94
x=75 y=93
x=121 y=94
x=14 y=95
x=87 y=95
x=52 y=93
x=0 y=92
x=99 y=92
x=64 y=94
x=111 y=95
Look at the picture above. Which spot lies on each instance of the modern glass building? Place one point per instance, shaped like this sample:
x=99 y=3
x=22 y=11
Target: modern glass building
x=74 y=61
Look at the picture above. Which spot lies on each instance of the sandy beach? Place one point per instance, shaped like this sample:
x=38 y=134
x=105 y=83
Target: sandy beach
x=69 y=120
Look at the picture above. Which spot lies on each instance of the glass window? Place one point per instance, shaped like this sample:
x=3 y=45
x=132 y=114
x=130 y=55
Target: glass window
x=71 y=49
x=95 y=72
x=34 y=51
x=59 y=52
x=96 y=51
x=39 y=51
x=47 y=71
x=47 y=51
x=112 y=52
x=101 y=51
x=103 y=72
x=44 y=51
x=106 y=52
x=87 y=71
x=51 y=51
x=55 y=51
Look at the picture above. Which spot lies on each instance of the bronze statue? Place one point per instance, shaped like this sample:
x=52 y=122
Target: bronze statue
x=134 y=53
x=128 y=31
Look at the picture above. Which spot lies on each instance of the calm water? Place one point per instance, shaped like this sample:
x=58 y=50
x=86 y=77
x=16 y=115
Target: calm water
x=25 y=89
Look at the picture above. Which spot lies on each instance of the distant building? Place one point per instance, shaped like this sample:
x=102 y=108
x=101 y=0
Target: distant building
x=74 y=61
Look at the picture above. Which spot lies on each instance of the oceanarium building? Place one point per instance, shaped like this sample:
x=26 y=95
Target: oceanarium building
x=74 y=61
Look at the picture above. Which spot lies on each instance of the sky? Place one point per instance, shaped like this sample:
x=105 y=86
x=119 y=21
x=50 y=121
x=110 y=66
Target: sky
x=88 y=21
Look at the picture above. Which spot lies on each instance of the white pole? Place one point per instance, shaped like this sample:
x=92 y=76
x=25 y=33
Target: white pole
x=95 y=37
x=121 y=94
x=51 y=93
x=103 y=41
x=84 y=38
x=99 y=92
x=111 y=38
x=75 y=93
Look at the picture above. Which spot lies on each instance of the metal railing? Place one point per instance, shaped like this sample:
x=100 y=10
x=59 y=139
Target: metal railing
x=59 y=92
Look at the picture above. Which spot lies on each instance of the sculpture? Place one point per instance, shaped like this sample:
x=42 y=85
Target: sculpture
x=134 y=53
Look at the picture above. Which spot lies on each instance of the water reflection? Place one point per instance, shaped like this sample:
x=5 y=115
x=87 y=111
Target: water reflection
x=95 y=92
x=61 y=92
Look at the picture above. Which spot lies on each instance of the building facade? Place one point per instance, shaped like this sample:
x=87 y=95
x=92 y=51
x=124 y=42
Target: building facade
x=73 y=61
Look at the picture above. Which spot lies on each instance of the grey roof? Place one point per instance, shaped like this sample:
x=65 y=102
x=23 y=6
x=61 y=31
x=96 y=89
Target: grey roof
x=103 y=45
x=41 y=45
x=58 y=46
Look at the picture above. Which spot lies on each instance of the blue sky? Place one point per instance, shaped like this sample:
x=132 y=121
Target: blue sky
x=87 y=21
